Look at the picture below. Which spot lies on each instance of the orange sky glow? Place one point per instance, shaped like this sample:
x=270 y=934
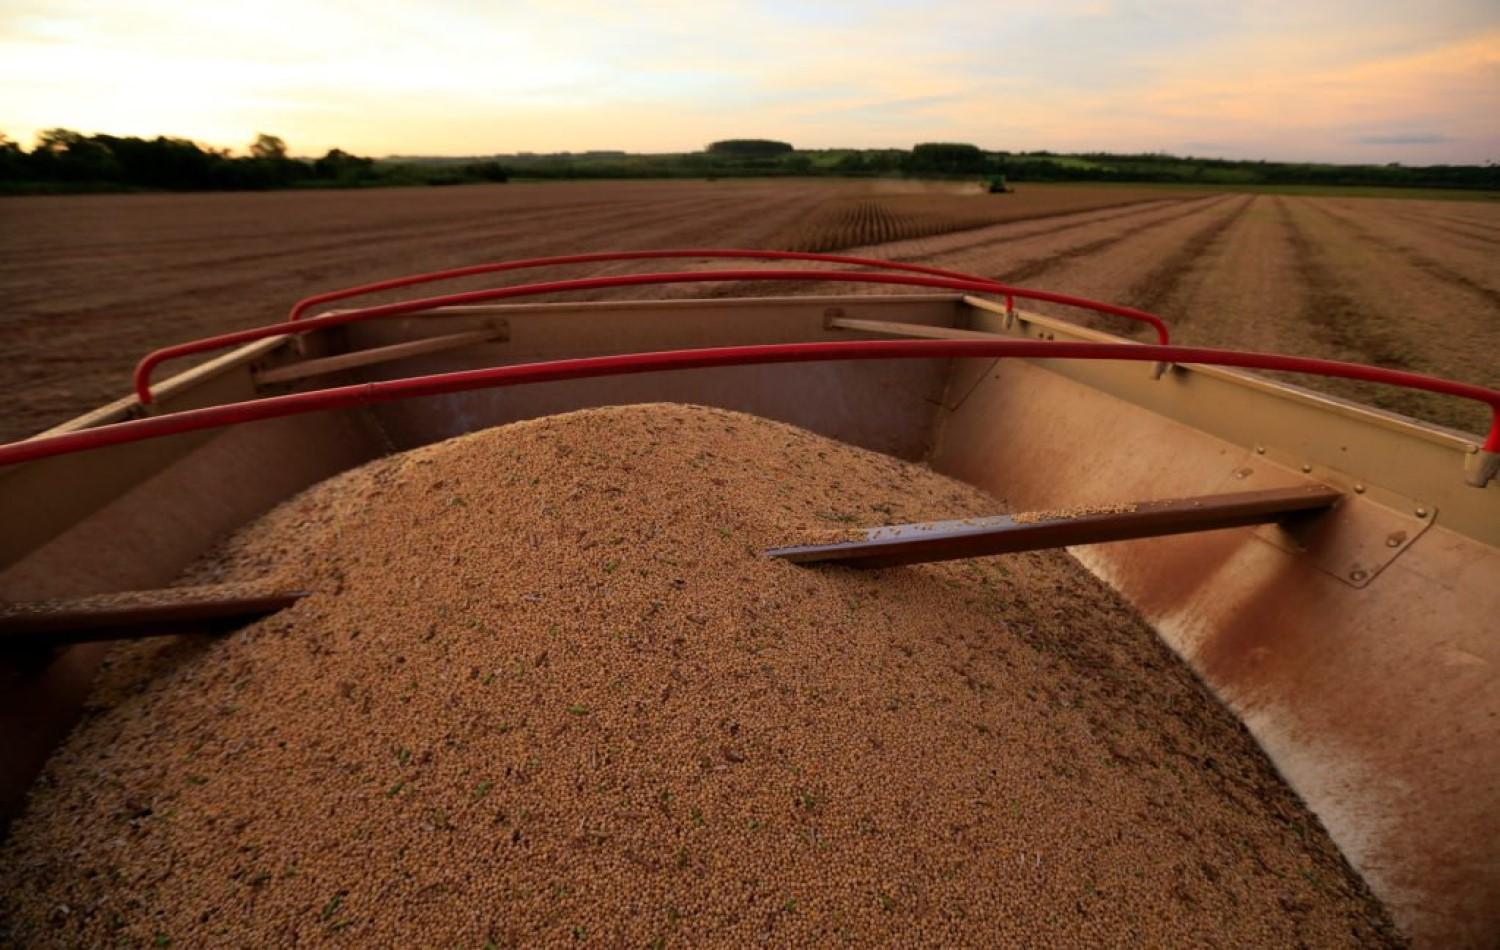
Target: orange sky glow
x=1330 y=81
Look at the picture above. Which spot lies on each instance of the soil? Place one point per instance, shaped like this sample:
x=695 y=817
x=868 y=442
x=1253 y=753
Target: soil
x=88 y=283
x=547 y=688
x=1347 y=279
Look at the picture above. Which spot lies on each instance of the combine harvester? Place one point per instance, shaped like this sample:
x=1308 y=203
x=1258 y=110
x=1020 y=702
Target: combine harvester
x=1331 y=570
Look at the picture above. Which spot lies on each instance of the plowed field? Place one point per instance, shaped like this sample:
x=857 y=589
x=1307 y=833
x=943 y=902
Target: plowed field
x=87 y=283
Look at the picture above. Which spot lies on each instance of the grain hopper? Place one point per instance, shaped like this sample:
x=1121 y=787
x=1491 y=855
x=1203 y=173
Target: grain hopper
x=1330 y=570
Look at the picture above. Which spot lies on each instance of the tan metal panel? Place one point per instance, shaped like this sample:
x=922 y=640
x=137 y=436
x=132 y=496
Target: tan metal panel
x=40 y=499
x=882 y=405
x=143 y=537
x=1357 y=443
x=1379 y=704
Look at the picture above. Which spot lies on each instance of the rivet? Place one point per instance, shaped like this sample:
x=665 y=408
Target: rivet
x=1421 y=512
x=1307 y=468
x=1357 y=575
x=1472 y=449
x=1393 y=542
x=1359 y=489
x=1260 y=450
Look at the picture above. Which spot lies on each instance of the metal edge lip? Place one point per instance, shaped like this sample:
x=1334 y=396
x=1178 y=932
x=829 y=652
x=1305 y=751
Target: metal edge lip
x=1441 y=435
x=167 y=388
x=120 y=409
x=684 y=303
x=983 y=536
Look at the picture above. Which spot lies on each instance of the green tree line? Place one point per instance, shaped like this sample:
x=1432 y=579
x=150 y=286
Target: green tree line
x=764 y=157
x=65 y=160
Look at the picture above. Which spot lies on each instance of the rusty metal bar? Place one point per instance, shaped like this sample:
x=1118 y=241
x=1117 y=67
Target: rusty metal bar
x=143 y=614
x=379 y=354
x=921 y=330
x=924 y=331
x=1004 y=534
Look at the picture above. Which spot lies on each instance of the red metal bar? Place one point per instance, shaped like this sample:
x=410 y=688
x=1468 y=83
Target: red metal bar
x=162 y=612
x=395 y=283
x=368 y=393
x=928 y=541
x=143 y=369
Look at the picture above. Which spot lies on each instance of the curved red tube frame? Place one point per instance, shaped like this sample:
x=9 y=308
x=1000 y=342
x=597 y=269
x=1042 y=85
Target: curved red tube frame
x=368 y=393
x=143 y=370
x=395 y=283
x=1010 y=292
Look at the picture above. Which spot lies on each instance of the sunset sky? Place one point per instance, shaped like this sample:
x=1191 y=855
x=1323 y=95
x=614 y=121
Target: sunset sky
x=1330 y=81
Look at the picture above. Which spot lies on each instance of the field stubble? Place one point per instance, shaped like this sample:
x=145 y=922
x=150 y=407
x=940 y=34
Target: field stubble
x=87 y=283
x=1366 y=280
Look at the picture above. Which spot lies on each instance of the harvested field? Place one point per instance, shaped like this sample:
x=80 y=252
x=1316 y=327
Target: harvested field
x=1368 y=280
x=546 y=689
x=885 y=218
x=87 y=283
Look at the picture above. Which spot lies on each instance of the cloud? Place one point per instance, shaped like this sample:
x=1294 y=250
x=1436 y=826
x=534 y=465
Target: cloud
x=1272 y=78
x=1416 y=138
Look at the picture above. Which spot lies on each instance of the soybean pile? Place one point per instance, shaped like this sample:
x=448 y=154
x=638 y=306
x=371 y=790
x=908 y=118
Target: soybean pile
x=547 y=688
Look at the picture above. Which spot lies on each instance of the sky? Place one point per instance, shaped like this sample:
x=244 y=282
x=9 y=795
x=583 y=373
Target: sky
x=1299 y=80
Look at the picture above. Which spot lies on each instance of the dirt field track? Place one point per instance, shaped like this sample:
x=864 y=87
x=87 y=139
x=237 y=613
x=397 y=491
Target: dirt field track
x=88 y=283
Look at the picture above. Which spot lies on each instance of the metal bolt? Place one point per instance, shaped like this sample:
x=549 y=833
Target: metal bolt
x=1307 y=468
x=1359 y=489
x=1421 y=512
x=1260 y=450
x=1357 y=575
x=1393 y=542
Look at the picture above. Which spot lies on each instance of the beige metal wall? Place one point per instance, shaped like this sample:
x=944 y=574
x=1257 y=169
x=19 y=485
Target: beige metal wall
x=134 y=516
x=135 y=524
x=885 y=406
x=1362 y=658
x=1364 y=665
